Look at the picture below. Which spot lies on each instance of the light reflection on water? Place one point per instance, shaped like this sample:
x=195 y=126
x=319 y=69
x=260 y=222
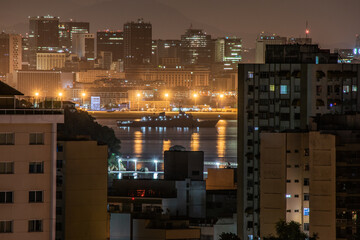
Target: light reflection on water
x=218 y=144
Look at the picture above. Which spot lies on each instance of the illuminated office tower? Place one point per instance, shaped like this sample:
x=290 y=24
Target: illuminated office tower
x=83 y=44
x=66 y=29
x=111 y=41
x=165 y=49
x=10 y=53
x=196 y=47
x=228 y=49
x=43 y=36
x=137 y=43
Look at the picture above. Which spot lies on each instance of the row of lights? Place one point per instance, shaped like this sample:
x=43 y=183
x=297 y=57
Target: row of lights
x=60 y=94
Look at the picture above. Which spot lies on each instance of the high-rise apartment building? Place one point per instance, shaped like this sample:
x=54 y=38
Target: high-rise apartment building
x=43 y=36
x=110 y=41
x=66 y=29
x=83 y=44
x=298 y=182
x=228 y=49
x=196 y=47
x=137 y=43
x=10 y=53
x=27 y=169
x=278 y=97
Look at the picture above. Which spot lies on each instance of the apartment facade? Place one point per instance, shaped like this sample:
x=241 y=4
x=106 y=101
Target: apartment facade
x=277 y=97
x=298 y=182
x=27 y=170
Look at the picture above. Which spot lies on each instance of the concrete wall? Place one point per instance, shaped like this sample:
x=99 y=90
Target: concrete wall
x=85 y=190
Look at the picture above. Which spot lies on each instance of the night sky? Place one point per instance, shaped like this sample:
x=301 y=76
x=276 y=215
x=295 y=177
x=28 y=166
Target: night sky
x=333 y=23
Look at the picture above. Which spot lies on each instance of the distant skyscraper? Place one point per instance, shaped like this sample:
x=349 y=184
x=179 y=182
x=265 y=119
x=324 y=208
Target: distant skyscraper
x=10 y=53
x=228 y=49
x=196 y=47
x=165 y=49
x=111 y=41
x=137 y=43
x=43 y=36
x=83 y=44
x=66 y=29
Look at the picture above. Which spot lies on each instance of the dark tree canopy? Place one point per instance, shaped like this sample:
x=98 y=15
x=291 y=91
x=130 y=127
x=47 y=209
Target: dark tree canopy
x=228 y=236
x=80 y=123
x=289 y=231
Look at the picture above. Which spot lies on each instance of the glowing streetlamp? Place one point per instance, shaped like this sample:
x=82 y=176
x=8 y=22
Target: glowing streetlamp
x=221 y=96
x=61 y=103
x=195 y=97
x=166 y=97
x=217 y=165
x=138 y=100
x=36 y=100
x=83 y=98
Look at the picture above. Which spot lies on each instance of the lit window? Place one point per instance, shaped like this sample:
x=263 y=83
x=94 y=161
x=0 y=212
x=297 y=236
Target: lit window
x=272 y=88
x=283 y=89
x=306 y=211
x=250 y=74
x=354 y=88
x=346 y=89
x=288 y=195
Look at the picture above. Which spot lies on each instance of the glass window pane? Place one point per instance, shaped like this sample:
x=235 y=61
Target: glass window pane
x=31 y=196
x=9 y=197
x=39 y=196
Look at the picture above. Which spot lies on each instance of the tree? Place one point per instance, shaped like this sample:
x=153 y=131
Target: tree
x=290 y=231
x=80 y=123
x=228 y=236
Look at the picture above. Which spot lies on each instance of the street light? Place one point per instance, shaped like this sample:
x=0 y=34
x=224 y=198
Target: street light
x=166 y=97
x=36 y=99
x=221 y=96
x=61 y=103
x=138 y=102
x=83 y=98
x=195 y=96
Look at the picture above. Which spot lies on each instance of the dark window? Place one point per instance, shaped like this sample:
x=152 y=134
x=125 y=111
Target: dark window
x=296 y=195
x=6 y=167
x=6 y=197
x=35 y=226
x=58 y=226
x=36 y=196
x=297 y=210
x=306 y=227
x=296 y=180
x=297 y=166
x=288 y=210
x=306 y=197
x=288 y=181
x=6 y=226
x=59 y=163
x=59 y=195
x=36 y=138
x=36 y=167
x=7 y=138
x=60 y=148
x=250 y=224
x=306 y=182
x=58 y=210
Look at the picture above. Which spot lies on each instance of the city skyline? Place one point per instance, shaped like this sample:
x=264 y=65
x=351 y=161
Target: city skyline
x=231 y=18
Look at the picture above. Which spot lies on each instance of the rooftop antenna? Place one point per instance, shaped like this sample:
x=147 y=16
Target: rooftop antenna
x=307 y=31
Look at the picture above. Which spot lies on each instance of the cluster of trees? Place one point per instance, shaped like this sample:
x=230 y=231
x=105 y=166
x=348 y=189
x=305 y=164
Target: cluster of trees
x=284 y=230
x=80 y=123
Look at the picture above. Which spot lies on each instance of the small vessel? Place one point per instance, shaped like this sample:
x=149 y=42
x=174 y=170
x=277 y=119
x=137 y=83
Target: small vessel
x=181 y=120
